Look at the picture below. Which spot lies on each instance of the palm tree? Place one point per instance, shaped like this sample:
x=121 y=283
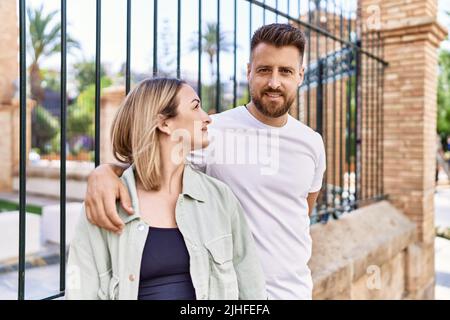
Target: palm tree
x=209 y=46
x=45 y=41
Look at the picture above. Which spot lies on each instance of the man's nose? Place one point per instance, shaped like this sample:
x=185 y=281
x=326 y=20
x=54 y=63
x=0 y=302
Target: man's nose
x=274 y=82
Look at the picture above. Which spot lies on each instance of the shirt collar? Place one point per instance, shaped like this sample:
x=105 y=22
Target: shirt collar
x=191 y=184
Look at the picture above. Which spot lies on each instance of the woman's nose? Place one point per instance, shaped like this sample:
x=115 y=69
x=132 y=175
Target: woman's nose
x=206 y=118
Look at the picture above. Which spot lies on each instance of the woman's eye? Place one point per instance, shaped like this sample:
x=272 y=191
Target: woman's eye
x=197 y=106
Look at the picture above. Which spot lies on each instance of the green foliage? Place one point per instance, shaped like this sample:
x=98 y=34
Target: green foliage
x=443 y=120
x=44 y=128
x=85 y=74
x=44 y=41
x=50 y=79
x=45 y=34
x=6 y=205
x=81 y=115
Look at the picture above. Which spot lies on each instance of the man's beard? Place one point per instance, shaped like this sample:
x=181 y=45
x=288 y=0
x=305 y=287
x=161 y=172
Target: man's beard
x=270 y=109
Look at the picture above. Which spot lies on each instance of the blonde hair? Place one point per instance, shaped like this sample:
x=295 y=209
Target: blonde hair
x=134 y=131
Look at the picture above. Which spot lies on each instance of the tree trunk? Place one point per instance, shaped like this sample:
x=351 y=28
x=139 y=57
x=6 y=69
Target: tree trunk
x=37 y=93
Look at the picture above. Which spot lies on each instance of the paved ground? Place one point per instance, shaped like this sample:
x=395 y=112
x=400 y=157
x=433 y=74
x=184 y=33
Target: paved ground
x=442 y=246
x=40 y=282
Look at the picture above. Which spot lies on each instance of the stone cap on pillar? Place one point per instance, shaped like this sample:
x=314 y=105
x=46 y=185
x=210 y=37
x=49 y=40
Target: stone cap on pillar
x=414 y=29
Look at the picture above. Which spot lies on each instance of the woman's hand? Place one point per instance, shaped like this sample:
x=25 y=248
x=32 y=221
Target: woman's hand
x=103 y=189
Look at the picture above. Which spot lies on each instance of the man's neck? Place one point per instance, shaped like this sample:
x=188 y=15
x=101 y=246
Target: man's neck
x=270 y=121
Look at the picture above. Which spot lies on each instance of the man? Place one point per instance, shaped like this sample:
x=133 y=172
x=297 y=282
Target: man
x=273 y=163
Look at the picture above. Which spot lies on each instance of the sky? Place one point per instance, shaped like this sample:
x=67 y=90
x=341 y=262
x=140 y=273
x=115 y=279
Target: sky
x=81 y=26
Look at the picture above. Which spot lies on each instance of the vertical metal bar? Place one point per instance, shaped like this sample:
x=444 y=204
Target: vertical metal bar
x=318 y=55
x=325 y=97
x=23 y=151
x=250 y=19
x=62 y=179
x=318 y=13
x=356 y=120
x=319 y=116
x=218 y=107
x=289 y=11
x=366 y=119
x=379 y=98
x=372 y=126
x=276 y=8
x=375 y=111
x=319 y=95
x=199 y=74
x=308 y=98
x=382 y=120
x=235 y=56
x=375 y=146
x=128 y=63
x=333 y=156
x=319 y=125
x=264 y=12
x=178 y=39
x=298 y=88
x=349 y=108
x=341 y=107
x=360 y=124
x=97 y=80
x=155 y=37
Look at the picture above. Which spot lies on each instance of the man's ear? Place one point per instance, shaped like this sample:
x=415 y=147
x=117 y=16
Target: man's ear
x=249 y=67
x=162 y=124
x=301 y=75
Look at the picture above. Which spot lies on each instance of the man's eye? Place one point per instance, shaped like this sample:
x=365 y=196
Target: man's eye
x=287 y=71
x=197 y=106
x=263 y=70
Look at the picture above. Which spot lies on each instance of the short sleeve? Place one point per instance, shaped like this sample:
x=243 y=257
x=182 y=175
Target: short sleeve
x=319 y=167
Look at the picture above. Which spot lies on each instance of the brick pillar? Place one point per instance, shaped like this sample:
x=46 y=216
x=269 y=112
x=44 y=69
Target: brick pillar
x=9 y=35
x=9 y=108
x=411 y=36
x=111 y=99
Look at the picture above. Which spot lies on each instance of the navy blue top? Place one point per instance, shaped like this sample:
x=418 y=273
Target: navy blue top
x=165 y=267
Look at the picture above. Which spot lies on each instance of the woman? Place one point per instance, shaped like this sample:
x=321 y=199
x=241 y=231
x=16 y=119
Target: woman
x=188 y=238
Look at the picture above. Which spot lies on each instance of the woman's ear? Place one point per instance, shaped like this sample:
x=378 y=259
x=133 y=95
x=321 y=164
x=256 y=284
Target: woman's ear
x=162 y=124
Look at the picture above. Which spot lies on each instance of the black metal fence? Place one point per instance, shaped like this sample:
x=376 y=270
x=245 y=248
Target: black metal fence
x=341 y=96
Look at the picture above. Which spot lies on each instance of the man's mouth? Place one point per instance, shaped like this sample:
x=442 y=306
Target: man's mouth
x=273 y=95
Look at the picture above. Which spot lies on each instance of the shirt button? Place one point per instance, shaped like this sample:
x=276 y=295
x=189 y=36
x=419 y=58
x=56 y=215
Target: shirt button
x=131 y=277
x=141 y=227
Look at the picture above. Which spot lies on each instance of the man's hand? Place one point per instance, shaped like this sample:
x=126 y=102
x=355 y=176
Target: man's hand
x=312 y=197
x=103 y=188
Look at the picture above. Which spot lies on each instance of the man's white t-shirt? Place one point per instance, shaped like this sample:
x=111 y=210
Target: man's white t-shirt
x=271 y=170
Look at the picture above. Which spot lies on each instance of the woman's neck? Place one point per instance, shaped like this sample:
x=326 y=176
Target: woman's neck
x=171 y=170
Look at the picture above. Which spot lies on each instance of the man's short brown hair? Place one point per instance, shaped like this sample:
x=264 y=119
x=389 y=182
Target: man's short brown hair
x=279 y=35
